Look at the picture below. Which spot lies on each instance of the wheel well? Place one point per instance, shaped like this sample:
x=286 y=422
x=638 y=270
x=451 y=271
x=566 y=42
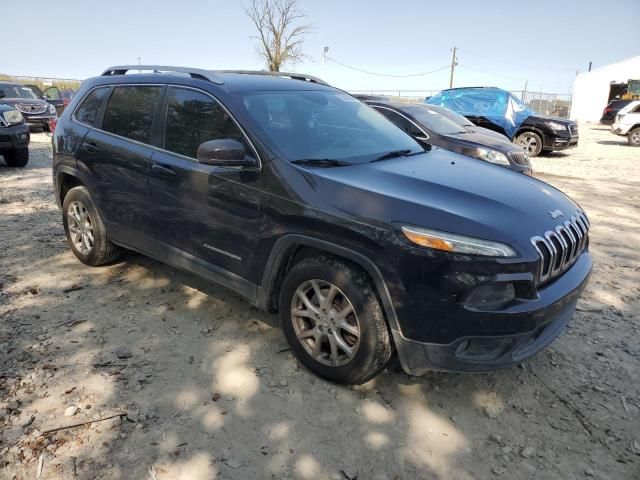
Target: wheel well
x=297 y=253
x=66 y=183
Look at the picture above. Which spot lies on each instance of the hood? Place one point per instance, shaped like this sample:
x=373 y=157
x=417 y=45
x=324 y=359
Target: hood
x=475 y=138
x=561 y=120
x=444 y=191
x=16 y=101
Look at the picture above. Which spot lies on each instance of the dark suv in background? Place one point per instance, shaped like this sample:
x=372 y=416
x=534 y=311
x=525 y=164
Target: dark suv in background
x=37 y=112
x=306 y=201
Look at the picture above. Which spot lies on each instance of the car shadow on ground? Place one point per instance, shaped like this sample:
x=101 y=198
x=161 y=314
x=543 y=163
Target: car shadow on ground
x=621 y=143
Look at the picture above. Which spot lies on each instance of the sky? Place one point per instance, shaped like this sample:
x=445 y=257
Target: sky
x=500 y=43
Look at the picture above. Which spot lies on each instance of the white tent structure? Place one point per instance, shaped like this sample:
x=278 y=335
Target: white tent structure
x=591 y=89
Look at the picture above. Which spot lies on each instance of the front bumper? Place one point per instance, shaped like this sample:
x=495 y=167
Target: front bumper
x=561 y=141
x=618 y=129
x=40 y=122
x=502 y=338
x=14 y=137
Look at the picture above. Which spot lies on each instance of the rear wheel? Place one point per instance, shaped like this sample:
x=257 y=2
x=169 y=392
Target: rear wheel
x=333 y=321
x=85 y=230
x=634 y=137
x=17 y=158
x=531 y=142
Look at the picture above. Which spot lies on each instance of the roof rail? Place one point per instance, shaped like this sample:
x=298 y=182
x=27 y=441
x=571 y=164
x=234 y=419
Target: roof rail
x=210 y=75
x=294 y=76
x=192 y=72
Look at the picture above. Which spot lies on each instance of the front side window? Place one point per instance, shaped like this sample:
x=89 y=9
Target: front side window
x=324 y=124
x=130 y=112
x=194 y=118
x=87 y=112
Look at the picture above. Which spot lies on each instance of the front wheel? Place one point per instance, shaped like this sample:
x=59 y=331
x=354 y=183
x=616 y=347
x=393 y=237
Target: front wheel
x=85 y=230
x=634 y=137
x=333 y=321
x=17 y=158
x=531 y=142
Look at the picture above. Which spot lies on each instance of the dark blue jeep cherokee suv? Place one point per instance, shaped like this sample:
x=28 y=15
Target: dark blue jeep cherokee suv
x=308 y=202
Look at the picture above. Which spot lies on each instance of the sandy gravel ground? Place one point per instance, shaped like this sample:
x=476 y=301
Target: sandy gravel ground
x=207 y=389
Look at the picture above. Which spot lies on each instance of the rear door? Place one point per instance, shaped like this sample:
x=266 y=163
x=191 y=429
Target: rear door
x=206 y=214
x=117 y=156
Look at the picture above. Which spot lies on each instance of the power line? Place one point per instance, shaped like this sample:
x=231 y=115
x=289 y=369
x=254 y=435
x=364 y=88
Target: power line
x=385 y=74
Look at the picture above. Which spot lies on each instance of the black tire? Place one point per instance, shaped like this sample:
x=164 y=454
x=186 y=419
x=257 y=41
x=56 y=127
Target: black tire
x=531 y=142
x=17 y=158
x=102 y=249
x=374 y=347
x=633 y=137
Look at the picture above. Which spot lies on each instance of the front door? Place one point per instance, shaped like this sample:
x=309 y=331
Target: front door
x=206 y=215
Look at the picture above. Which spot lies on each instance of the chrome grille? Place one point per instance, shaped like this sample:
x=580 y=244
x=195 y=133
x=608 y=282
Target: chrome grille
x=561 y=247
x=520 y=157
x=32 y=108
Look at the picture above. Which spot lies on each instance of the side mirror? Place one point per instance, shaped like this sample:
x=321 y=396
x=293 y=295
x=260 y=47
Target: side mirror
x=2 y=94
x=224 y=152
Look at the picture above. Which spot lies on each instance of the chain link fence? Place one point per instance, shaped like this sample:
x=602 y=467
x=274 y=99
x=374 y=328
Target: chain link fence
x=556 y=104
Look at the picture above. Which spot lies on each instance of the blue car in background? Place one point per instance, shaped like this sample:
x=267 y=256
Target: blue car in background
x=503 y=112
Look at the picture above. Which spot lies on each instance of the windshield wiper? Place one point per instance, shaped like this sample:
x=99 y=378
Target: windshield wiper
x=393 y=154
x=320 y=162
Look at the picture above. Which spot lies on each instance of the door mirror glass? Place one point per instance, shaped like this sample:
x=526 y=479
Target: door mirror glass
x=2 y=94
x=224 y=152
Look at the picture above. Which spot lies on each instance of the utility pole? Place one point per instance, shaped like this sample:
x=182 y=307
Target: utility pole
x=589 y=66
x=454 y=62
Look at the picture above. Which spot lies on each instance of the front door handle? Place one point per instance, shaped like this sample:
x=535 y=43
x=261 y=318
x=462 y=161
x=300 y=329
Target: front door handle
x=162 y=170
x=91 y=147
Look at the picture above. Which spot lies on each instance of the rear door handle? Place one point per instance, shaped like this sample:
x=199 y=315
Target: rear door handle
x=90 y=147
x=162 y=170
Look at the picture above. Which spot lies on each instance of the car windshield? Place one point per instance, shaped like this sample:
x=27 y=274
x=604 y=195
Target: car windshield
x=321 y=125
x=434 y=121
x=451 y=115
x=18 y=91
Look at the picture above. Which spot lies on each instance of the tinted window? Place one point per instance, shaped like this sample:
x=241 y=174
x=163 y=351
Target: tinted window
x=194 y=118
x=451 y=115
x=130 y=112
x=434 y=121
x=324 y=124
x=400 y=121
x=87 y=112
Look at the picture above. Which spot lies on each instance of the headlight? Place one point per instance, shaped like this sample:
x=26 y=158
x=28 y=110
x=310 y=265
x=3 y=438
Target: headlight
x=556 y=126
x=12 y=117
x=52 y=109
x=491 y=156
x=451 y=242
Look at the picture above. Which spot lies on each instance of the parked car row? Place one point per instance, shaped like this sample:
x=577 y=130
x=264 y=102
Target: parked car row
x=365 y=238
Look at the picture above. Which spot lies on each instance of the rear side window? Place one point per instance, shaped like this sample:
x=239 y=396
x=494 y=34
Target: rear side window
x=194 y=118
x=87 y=112
x=130 y=112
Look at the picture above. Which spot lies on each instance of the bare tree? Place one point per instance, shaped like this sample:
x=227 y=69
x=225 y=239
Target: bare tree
x=281 y=31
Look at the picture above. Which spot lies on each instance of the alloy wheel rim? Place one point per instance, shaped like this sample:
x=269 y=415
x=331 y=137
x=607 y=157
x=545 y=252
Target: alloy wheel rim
x=80 y=227
x=529 y=143
x=325 y=323
x=635 y=137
